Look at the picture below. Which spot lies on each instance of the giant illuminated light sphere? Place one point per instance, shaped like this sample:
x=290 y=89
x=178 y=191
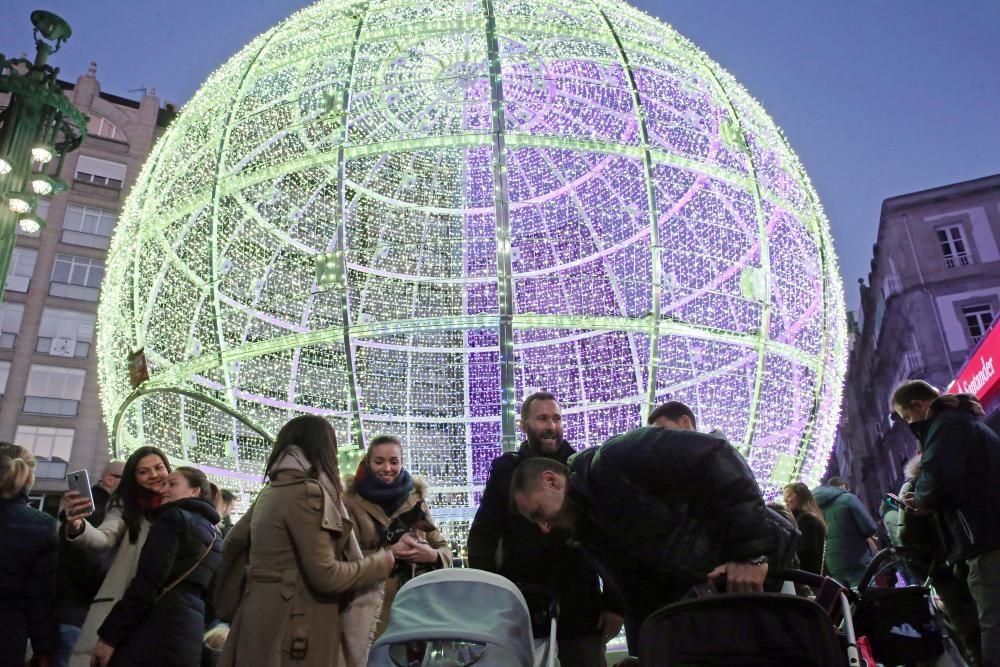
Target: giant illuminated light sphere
x=407 y=216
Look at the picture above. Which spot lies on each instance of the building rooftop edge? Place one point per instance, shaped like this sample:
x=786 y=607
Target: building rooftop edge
x=940 y=193
x=116 y=99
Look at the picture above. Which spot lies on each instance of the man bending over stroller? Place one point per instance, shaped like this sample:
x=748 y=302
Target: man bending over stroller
x=662 y=509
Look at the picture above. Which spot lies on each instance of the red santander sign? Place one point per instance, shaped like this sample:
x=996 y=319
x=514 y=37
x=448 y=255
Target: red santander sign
x=981 y=374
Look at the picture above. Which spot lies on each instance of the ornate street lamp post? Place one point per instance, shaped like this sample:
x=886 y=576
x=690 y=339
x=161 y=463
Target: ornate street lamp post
x=38 y=126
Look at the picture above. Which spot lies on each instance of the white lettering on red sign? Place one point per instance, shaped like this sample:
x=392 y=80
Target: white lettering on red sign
x=982 y=377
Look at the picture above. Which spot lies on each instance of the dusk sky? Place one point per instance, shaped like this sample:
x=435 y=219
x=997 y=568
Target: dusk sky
x=878 y=98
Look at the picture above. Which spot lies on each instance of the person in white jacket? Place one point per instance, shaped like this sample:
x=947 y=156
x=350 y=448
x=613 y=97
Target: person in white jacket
x=125 y=527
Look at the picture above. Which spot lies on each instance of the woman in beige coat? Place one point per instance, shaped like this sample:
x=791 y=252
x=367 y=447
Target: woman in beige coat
x=293 y=579
x=384 y=500
x=125 y=527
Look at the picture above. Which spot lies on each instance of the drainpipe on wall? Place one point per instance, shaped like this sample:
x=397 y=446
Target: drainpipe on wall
x=923 y=286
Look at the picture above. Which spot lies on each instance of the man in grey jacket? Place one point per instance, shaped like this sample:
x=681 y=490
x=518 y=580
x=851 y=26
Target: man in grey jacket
x=849 y=531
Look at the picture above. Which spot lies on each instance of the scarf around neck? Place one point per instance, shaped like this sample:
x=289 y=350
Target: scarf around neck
x=389 y=496
x=360 y=616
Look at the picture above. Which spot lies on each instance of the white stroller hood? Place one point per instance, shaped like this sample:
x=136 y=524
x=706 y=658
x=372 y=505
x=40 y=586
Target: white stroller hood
x=460 y=604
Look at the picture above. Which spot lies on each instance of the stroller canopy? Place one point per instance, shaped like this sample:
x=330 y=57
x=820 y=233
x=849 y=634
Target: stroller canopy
x=461 y=604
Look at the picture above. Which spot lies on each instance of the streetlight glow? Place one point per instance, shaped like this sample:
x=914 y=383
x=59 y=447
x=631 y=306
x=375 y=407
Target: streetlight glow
x=18 y=203
x=29 y=224
x=39 y=124
x=42 y=153
x=41 y=185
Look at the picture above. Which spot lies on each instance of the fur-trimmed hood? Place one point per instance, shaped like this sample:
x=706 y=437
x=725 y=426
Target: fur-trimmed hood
x=964 y=402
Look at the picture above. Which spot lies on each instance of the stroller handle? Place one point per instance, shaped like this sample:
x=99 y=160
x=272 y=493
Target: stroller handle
x=875 y=566
x=815 y=581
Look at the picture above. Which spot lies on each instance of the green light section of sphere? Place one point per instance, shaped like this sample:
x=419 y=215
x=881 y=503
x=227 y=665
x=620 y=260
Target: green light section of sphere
x=406 y=216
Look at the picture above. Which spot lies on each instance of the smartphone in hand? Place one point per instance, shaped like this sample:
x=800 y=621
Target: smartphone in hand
x=79 y=481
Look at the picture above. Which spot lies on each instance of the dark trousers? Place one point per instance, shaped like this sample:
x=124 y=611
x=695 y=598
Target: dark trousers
x=984 y=584
x=960 y=610
x=582 y=652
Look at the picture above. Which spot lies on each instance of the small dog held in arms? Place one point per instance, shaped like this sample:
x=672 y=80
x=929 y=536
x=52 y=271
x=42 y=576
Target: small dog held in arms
x=411 y=521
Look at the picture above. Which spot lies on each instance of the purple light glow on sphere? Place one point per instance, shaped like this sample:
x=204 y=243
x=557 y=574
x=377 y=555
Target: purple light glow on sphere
x=407 y=218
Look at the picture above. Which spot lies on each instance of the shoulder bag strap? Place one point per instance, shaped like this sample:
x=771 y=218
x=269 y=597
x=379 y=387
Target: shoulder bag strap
x=175 y=582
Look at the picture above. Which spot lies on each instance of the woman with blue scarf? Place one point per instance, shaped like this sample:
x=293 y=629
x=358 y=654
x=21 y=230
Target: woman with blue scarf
x=389 y=508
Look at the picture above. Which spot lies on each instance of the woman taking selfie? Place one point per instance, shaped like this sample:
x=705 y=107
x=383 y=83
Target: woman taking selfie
x=309 y=596
x=164 y=605
x=387 y=503
x=125 y=527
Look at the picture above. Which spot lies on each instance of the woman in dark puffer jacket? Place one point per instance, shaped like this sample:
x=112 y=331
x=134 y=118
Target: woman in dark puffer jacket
x=28 y=553
x=161 y=618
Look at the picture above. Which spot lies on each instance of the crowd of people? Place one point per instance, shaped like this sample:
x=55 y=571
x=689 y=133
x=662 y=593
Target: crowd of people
x=148 y=569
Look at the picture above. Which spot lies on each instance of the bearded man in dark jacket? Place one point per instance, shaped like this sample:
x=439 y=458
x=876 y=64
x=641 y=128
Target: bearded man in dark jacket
x=501 y=541
x=662 y=510
x=959 y=481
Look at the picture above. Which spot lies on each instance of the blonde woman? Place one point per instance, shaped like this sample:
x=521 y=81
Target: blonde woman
x=28 y=558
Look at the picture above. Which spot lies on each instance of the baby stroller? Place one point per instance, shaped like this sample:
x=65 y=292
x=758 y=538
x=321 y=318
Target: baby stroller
x=902 y=624
x=752 y=630
x=459 y=617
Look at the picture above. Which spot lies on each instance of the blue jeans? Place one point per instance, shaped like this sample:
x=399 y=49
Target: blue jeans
x=68 y=634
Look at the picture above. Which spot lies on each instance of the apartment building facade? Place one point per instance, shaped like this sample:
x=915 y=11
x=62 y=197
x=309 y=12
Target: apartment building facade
x=932 y=294
x=48 y=364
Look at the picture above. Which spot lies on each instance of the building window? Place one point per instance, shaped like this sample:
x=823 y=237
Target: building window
x=88 y=226
x=76 y=277
x=65 y=333
x=102 y=127
x=22 y=265
x=4 y=374
x=47 y=441
x=100 y=172
x=10 y=323
x=54 y=390
x=978 y=320
x=953 y=246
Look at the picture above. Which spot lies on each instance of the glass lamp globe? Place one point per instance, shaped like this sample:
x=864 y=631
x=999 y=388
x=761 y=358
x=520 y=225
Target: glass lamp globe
x=19 y=203
x=29 y=224
x=406 y=218
x=42 y=153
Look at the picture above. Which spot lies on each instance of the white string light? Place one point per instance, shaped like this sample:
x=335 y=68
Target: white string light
x=342 y=171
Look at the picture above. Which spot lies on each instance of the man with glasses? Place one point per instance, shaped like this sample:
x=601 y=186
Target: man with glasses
x=105 y=487
x=959 y=483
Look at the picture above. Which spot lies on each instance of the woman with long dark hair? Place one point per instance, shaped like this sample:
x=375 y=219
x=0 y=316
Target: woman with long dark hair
x=309 y=596
x=125 y=527
x=387 y=504
x=164 y=604
x=809 y=517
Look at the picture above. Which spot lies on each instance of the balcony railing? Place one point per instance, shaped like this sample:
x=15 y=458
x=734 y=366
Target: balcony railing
x=81 y=292
x=44 y=405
